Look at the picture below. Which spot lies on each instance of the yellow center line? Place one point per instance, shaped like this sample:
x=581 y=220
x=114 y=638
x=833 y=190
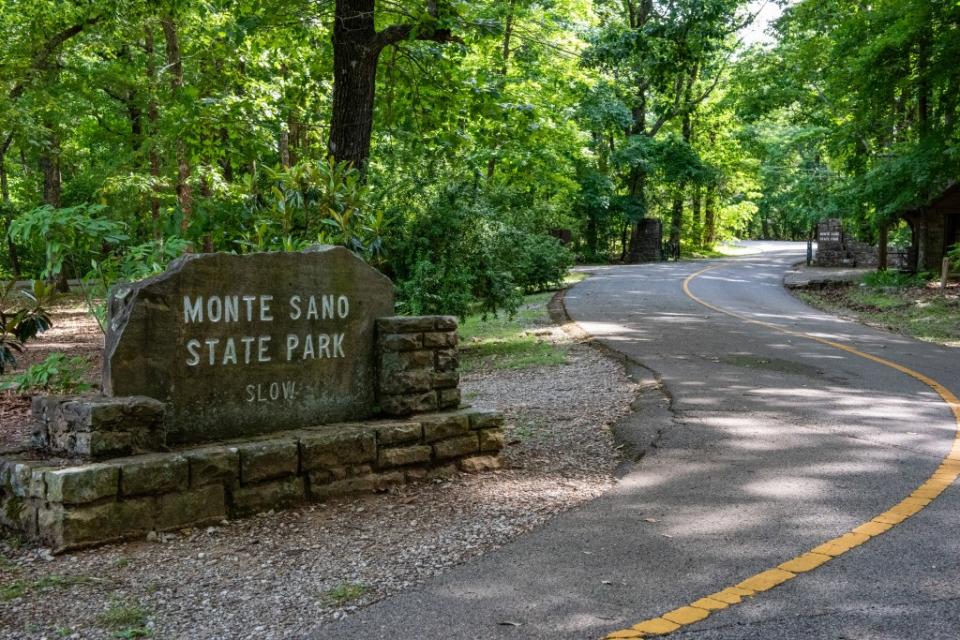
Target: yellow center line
x=942 y=478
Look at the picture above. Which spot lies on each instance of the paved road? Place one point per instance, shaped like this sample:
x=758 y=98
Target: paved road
x=772 y=445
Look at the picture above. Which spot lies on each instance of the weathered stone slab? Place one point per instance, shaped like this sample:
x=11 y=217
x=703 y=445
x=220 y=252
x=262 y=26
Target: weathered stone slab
x=267 y=459
x=404 y=405
x=98 y=426
x=456 y=447
x=399 y=456
x=444 y=425
x=478 y=464
x=87 y=483
x=399 y=433
x=449 y=398
x=334 y=448
x=275 y=494
x=196 y=507
x=244 y=345
x=491 y=439
x=406 y=324
x=154 y=473
x=214 y=464
x=485 y=419
x=371 y=482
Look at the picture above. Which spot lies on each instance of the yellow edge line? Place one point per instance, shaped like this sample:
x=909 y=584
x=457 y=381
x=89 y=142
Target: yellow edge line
x=943 y=477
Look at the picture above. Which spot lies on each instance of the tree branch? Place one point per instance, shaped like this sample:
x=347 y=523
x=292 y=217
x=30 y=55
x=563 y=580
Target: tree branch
x=400 y=32
x=677 y=96
x=41 y=59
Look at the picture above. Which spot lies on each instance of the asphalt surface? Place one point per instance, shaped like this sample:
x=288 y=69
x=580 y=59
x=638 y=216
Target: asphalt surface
x=767 y=445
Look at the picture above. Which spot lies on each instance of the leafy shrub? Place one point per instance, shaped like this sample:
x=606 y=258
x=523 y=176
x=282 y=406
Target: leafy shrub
x=22 y=317
x=58 y=374
x=70 y=235
x=953 y=253
x=894 y=279
x=133 y=263
x=436 y=288
x=536 y=262
x=326 y=202
x=456 y=255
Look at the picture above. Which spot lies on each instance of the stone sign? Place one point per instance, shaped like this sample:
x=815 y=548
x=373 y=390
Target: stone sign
x=829 y=231
x=243 y=345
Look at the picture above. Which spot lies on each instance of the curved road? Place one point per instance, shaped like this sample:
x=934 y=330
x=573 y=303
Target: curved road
x=773 y=443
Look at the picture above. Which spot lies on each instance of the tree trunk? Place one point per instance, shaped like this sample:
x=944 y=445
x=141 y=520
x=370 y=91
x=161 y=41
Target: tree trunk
x=225 y=163
x=882 y=249
x=590 y=235
x=284 y=148
x=923 y=80
x=710 y=223
x=623 y=241
x=356 y=48
x=50 y=168
x=153 y=116
x=354 y=81
x=697 y=214
x=175 y=68
x=52 y=182
x=8 y=212
x=638 y=184
x=676 y=217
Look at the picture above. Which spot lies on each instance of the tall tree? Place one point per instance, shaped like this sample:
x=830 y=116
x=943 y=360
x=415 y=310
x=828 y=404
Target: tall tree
x=357 y=46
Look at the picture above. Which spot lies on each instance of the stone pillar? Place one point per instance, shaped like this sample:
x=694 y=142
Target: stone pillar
x=418 y=361
x=651 y=238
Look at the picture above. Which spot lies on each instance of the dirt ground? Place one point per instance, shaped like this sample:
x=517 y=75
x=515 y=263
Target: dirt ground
x=75 y=333
x=924 y=312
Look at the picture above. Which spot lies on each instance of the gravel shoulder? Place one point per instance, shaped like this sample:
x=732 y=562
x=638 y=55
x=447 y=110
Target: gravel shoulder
x=279 y=575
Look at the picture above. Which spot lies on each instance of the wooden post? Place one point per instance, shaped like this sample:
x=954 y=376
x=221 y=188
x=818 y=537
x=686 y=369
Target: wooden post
x=943 y=273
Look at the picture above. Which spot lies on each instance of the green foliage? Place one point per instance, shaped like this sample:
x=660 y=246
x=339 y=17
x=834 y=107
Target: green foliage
x=22 y=316
x=345 y=592
x=502 y=341
x=316 y=202
x=923 y=313
x=894 y=279
x=69 y=234
x=851 y=114
x=125 y=615
x=535 y=262
x=458 y=253
x=953 y=253
x=16 y=588
x=57 y=373
x=127 y=265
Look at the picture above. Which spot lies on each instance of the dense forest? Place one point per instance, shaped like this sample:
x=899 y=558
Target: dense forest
x=445 y=140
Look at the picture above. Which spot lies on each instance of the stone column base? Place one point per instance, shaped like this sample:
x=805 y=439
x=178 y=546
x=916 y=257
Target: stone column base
x=66 y=505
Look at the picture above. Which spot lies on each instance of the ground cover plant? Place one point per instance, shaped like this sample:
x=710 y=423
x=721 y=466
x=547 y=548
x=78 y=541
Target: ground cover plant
x=905 y=303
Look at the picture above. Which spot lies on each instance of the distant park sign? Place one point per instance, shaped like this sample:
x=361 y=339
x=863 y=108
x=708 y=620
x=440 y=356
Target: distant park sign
x=243 y=345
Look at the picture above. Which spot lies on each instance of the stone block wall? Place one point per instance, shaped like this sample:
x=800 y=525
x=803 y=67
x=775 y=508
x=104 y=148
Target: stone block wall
x=417 y=367
x=863 y=254
x=835 y=249
x=82 y=505
x=97 y=427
